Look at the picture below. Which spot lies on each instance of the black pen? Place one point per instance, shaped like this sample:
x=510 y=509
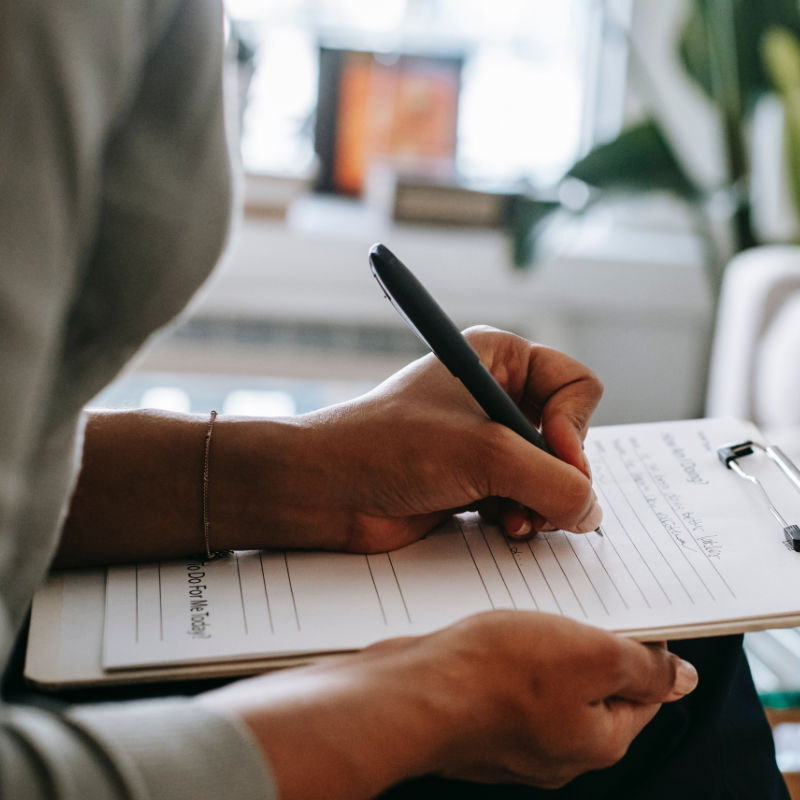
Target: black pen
x=427 y=319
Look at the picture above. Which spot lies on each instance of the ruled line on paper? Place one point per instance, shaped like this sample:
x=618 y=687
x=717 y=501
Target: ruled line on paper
x=399 y=587
x=644 y=527
x=513 y=551
x=679 y=518
x=291 y=590
x=160 y=606
x=677 y=544
x=474 y=563
x=611 y=580
x=497 y=567
x=266 y=593
x=650 y=536
x=624 y=528
x=136 y=599
x=377 y=593
x=544 y=576
x=588 y=577
x=547 y=539
x=610 y=538
x=241 y=593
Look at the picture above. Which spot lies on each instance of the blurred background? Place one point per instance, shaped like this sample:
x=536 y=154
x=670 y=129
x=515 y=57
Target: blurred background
x=614 y=178
x=446 y=130
x=578 y=172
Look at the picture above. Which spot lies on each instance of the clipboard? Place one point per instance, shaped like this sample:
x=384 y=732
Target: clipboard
x=65 y=642
x=648 y=478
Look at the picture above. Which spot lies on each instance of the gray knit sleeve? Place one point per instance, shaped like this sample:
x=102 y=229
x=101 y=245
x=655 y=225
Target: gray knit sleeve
x=144 y=750
x=116 y=192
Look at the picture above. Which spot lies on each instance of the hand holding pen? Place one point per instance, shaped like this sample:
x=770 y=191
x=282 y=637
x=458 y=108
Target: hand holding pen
x=438 y=332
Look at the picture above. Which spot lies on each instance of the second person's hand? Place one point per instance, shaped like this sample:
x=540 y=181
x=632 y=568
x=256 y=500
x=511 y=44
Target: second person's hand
x=504 y=697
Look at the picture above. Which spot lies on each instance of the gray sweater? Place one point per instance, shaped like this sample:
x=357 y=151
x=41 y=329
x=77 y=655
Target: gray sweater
x=114 y=205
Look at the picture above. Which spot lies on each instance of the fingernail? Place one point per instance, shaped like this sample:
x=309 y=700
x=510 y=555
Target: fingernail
x=685 y=677
x=523 y=530
x=592 y=520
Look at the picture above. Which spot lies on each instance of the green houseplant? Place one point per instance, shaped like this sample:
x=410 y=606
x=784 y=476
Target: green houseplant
x=735 y=51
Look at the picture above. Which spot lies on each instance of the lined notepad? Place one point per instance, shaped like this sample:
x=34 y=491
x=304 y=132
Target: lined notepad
x=688 y=549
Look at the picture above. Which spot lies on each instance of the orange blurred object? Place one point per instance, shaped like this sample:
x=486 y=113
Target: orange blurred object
x=403 y=110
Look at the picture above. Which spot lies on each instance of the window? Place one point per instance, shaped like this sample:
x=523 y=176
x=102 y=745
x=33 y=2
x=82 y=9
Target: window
x=528 y=82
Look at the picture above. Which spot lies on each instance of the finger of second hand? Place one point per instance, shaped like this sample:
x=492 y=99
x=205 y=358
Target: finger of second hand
x=518 y=521
x=625 y=719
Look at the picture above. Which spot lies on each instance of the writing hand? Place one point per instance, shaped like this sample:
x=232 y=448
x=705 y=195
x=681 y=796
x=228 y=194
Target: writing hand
x=368 y=475
x=511 y=696
x=382 y=470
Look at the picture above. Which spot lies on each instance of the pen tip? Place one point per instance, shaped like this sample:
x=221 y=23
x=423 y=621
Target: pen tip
x=599 y=530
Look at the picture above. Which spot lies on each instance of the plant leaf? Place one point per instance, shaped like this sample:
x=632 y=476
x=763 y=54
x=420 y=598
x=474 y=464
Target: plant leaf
x=708 y=21
x=781 y=53
x=639 y=159
x=526 y=217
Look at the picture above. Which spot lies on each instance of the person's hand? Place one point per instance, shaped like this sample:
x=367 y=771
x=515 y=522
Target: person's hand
x=368 y=475
x=506 y=696
x=382 y=470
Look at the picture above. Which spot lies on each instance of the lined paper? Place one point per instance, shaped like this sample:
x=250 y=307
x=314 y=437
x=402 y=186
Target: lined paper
x=687 y=545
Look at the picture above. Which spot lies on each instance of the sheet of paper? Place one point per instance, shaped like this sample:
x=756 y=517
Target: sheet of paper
x=687 y=544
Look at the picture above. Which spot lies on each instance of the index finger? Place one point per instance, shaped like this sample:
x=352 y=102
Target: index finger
x=552 y=389
x=568 y=393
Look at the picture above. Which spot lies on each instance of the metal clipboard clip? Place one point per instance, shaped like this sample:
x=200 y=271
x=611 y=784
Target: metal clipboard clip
x=729 y=455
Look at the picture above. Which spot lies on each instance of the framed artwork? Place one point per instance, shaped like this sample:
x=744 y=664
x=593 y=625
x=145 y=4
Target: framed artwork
x=401 y=109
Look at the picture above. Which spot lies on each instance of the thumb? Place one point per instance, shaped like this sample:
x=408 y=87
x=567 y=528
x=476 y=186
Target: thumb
x=557 y=491
x=651 y=674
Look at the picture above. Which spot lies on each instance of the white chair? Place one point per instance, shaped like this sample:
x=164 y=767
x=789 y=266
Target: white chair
x=755 y=374
x=755 y=364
